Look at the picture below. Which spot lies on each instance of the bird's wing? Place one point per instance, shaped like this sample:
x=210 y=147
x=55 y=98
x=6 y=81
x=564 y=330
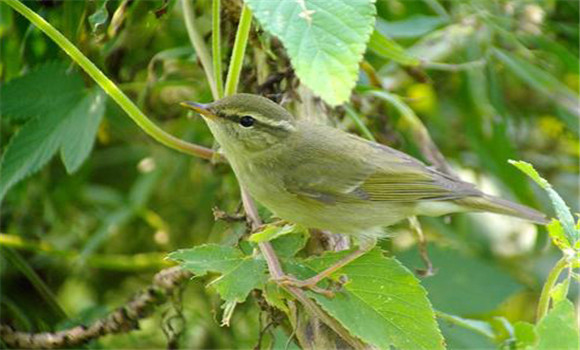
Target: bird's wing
x=381 y=174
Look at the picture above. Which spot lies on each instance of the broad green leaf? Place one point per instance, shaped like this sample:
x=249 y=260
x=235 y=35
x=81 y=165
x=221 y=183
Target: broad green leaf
x=47 y=88
x=289 y=245
x=459 y=338
x=559 y=328
x=325 y=40
x=239 y=273
x=81 y=130
x=389 y=49
x=411 y=27
x=71 y=129
x=540 y=80
x=459 y=275
x=382 y=303
x=562 y=211
x=525 y=335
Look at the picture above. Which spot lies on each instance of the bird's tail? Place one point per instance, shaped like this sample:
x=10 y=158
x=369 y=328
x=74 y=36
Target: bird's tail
x=504 y=207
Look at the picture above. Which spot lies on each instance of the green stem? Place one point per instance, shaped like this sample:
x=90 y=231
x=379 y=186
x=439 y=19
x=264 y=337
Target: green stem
x=216 y=48
x=237 y=59
x=199 y=45
x=544 y=302
x=359 y=123
x=108 y=86
x=134 y=262
x=477 y=326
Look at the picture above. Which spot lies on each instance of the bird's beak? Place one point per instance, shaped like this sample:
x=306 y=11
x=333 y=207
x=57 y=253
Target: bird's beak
x=200 y=108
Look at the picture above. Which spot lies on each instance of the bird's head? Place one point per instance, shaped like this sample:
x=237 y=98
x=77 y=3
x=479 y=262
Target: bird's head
x=245 y=123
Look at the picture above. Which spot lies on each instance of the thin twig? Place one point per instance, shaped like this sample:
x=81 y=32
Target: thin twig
x=428 y=271
x=123 y=319
x=199 y=45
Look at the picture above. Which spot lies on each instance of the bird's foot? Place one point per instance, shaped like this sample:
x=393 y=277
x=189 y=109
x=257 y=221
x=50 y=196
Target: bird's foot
x=308 y=284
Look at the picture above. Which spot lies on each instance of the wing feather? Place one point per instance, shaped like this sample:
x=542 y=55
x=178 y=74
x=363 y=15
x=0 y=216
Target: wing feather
x=368 y=171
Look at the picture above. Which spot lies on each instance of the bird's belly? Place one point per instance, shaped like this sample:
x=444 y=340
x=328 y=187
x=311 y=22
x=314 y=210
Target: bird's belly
x=341 y=217
x=346 y=218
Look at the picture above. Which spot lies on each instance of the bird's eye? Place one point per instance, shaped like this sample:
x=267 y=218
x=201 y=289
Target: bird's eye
x=247 y=121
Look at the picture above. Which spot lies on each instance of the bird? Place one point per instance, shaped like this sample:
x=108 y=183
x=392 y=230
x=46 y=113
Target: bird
x=325 y=178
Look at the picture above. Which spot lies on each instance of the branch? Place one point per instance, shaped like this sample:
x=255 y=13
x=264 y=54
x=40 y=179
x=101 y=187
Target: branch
x=108 y=86
x=199 y=46
x=122 y=320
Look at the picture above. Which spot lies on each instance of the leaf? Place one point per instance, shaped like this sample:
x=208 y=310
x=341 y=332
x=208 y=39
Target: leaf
x=411 y=27
x=382 y=303
x=99 y=18
x=270 y=232
x=82 y=129
x=289 y=245
x=325 y=40
x=529 y=170
x=240 y=274
x=540 y=80
x=562 y=211
x=559 y=291
x=71 y=129
x=48 y=88
x=459 y=275
x=525 y=335
x=556 y=232
x=559 y=329
x=389 y=49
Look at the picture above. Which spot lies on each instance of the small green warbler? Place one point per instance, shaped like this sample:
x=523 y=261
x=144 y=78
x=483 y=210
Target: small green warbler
x=321 y=177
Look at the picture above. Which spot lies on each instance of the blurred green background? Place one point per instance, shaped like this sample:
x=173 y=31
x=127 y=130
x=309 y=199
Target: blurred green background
x=498 y=84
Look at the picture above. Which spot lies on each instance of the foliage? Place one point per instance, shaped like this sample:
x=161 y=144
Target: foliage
x=484 y=81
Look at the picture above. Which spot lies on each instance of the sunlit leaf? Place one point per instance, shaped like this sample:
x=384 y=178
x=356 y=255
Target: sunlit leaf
x=562 y=211
x=324 y=39
x=382 y=303
x=239 y=273
x=559 y=328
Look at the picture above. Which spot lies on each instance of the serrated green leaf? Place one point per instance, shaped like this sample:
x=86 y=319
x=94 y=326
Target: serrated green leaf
x=29 y=150
x=540 y=80
x=71 y=129
x=389 y=49
x=382 y=303
x=529 y=170
x=325 y=40
x=239 y=273
x=559 y=328
x=47 y=88
x=562 y=210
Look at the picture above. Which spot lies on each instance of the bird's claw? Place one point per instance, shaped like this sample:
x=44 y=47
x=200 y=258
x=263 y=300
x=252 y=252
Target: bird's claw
x=290 y=281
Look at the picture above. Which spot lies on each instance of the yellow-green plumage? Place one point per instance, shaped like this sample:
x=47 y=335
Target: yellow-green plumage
x=322 y=177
